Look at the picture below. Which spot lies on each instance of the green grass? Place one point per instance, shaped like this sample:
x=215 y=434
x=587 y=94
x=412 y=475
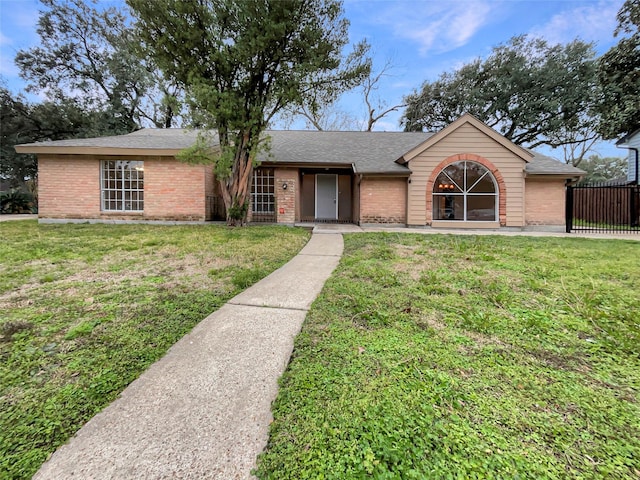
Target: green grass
x=466 y=357
x=583 y=224
x=84 y=309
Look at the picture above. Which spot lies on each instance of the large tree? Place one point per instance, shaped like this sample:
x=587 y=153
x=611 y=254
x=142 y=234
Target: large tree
x=242 y=61
x=87 y=53
x=601 y=169
x=321 y=112
x=528 y=90
x=619 y=75
x=24 y=122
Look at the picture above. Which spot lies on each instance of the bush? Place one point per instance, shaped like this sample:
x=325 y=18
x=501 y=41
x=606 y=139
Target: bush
x=15 y=201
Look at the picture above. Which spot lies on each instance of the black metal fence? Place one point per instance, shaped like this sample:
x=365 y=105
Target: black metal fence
x=215 y=209
x=603 y=208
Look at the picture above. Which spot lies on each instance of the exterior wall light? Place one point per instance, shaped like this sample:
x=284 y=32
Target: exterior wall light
x=284 y=186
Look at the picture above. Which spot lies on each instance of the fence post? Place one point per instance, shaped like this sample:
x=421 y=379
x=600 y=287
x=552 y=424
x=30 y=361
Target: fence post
x=634 y=193
x=568 y=204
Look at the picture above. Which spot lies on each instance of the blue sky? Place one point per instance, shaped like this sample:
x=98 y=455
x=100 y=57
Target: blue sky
x=422 y=38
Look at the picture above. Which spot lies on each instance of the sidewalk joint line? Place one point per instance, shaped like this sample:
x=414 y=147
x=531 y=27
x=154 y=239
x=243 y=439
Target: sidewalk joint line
x=231 y=302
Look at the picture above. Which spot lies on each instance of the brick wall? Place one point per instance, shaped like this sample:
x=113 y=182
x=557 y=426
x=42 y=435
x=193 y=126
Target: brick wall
x=69 y=187
x=544 y=201
x=286 y=198
x=383 y=200
x=174 y=190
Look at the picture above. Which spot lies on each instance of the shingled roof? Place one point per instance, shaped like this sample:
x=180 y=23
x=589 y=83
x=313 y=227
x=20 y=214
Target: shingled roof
x=545 y=165
x=366 y=152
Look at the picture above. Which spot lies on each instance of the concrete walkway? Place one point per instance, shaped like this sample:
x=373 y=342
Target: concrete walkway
x=203 y=410
x=5 y=217
x=351 y=228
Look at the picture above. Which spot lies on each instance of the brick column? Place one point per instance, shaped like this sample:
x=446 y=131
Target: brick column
x=286 y=197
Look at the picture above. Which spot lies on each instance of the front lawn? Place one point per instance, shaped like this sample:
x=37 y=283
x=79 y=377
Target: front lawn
x=466 y=357
x=84 y=309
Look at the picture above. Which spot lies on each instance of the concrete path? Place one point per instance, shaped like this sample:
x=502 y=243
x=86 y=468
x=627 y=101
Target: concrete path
x=5 y=217
x=203 y=410
x=350 y=228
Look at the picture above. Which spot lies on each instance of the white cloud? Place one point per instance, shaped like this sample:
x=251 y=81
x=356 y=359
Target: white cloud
x=437 y=27
x=4 y=40
x=593 y=22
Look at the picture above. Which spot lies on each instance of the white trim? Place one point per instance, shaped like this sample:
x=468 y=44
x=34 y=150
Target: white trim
x=465 y=194
x=108 y=190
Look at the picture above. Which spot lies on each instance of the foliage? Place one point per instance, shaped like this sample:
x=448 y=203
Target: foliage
x=242 y=61
x=439 y=356
x=530 y=91
x=88 y=54
x=87 y=308
x=619 y=74
x=14 y=201
x=24 y=122
x=602 y=169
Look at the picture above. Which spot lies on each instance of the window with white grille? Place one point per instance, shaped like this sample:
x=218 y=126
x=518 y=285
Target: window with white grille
x=263 y=191
x=465 y=191
x=122 y=185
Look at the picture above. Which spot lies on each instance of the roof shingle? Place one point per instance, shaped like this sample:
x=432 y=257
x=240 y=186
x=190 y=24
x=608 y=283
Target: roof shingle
x=368 y=152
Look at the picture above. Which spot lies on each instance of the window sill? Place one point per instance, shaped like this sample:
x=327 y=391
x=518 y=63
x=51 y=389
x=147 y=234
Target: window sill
x=122 y=212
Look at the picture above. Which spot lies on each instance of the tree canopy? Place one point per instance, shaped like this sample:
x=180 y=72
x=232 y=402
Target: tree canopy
x=88 y=54
x=601 y=169
x=619 y=75
x=528 y=90
x=241 y=62
x=24 y=122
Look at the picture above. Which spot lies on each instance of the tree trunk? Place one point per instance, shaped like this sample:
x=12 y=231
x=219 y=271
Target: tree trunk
x=237 y=187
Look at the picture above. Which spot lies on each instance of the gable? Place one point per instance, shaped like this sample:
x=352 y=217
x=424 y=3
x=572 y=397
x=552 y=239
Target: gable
x=632 y=140
x=471 y=134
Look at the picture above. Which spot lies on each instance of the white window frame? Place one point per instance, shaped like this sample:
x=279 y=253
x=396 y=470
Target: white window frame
x=117 y=190
x=263 y=191
x=465 y=192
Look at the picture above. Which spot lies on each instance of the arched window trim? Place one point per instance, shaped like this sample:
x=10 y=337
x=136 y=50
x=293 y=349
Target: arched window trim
x=467 y=192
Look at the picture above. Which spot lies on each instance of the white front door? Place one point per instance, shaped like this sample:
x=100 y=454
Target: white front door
x=326 y=197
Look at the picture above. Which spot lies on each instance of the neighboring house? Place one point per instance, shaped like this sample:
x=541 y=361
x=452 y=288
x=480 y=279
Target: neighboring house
x=466 y=175
x=631 y=142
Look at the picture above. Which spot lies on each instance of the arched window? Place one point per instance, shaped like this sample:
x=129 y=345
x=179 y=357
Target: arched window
x=465 y=191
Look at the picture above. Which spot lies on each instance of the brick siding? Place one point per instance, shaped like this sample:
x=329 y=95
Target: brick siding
x=69 y=188
x=383 y=200
x=544 y=202
x=286 y=198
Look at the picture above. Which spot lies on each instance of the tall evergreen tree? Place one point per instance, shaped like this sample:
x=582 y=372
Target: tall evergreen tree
x=241 y=62
x=87 y=54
